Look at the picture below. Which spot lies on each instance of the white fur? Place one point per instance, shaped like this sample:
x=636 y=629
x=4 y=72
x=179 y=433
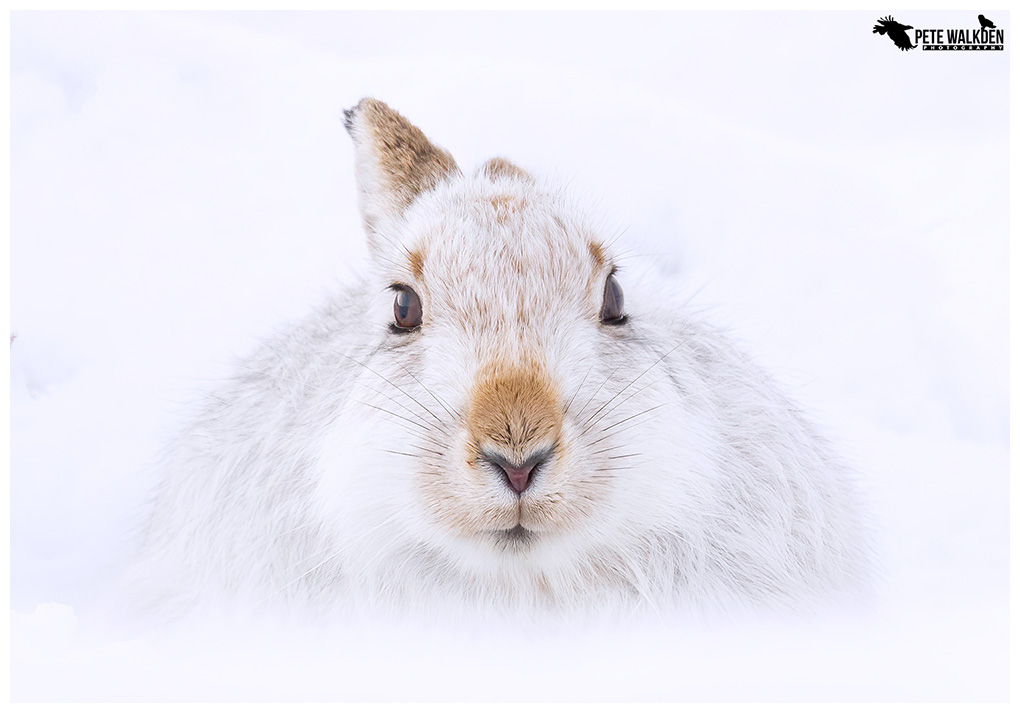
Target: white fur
x=300 y=481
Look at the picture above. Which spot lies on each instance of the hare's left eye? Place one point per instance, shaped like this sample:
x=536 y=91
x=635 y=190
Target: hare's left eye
x=406 y=308
x=612 y=303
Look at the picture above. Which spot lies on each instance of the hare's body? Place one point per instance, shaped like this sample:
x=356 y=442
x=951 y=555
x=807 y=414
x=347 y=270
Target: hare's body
x=501 y=433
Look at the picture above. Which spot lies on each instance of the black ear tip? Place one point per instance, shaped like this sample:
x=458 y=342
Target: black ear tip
x=350 y=114
x=349 y=119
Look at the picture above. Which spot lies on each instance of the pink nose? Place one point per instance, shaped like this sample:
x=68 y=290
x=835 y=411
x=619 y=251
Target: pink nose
x=518 y=475
x=519 y=478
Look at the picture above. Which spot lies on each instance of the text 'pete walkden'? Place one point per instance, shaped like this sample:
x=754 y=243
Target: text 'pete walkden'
x=960 y=39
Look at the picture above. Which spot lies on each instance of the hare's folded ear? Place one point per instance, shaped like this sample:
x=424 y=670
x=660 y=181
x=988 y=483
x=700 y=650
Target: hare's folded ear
x=393 y=162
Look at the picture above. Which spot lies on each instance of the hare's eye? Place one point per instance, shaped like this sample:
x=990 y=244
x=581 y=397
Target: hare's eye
x=612 y=303
x=406 y=308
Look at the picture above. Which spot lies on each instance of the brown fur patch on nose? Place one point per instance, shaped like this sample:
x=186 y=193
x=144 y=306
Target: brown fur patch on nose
x=514 y=408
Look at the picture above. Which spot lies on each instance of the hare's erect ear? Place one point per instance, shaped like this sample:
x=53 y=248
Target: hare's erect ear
x=393 y=162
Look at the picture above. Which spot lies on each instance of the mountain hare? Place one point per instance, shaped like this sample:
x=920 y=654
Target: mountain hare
x=488 y=421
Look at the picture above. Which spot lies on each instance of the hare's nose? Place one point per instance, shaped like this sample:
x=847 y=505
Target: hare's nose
x=519 y=474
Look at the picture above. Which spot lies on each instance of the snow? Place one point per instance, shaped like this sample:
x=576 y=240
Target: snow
x=181 y=185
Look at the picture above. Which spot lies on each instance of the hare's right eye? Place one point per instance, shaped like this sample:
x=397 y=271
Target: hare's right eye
x=612 y=303
x=406 y=308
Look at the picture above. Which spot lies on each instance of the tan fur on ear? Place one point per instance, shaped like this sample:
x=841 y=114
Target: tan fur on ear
x=496 y=168
x=394 y=162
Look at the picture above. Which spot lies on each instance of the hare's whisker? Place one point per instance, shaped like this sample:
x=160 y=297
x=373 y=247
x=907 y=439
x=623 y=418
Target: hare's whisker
x=595 y=393
x=405 y=407
x=567 y=407
x=278 y=535
x=422 y=426
x=412 y=455
x=456 y=416
x=426 y=433
x=637 y=423
x=723 y=384
x=607 y=413
x=384 y=523
x=628 y=418
x=297 y=579
x=610 y=449
x=370 y=369
x=634 y=381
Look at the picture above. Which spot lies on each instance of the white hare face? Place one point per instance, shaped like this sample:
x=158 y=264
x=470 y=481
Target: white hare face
x=506 y=410
x=511 y=294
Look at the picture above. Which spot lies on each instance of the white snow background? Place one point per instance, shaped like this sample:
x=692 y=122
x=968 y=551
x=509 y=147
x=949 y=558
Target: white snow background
x=182 y=185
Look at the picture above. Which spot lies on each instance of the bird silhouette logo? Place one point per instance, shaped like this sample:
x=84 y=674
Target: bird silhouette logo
x=986 y=24
x=895 y=31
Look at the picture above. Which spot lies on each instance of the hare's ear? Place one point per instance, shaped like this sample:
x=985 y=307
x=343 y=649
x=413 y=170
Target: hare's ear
x=393 y=162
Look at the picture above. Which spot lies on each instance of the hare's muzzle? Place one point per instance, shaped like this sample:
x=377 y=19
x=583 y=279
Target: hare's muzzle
x=515 y=421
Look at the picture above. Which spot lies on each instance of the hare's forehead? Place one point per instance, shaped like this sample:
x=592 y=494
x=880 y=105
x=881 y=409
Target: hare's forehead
x=510 y=240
